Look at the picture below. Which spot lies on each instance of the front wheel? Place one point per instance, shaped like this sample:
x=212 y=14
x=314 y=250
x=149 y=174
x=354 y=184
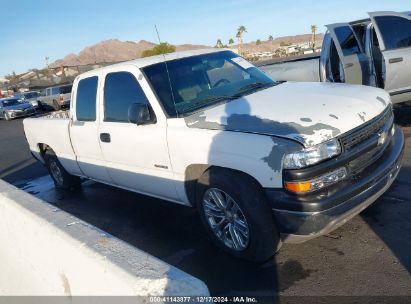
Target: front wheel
x=236 y=215
x=61 y=178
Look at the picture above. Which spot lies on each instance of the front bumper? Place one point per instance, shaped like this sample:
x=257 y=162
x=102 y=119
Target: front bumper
x=24 y=113
x=64 y=103
x=333 y=207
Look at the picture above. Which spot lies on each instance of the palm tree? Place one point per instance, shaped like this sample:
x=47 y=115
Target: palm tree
x=238 y=36
x=271 y=39
x=231 y=42
x=219 y=43
x=240 y=32
x=313 y=30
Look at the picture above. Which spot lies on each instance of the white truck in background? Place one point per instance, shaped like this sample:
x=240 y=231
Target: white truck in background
x=263 y=162
x=374 y=52
x=56 y=97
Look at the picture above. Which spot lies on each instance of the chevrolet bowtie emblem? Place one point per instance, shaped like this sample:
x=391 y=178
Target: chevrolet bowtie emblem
x=382 y=137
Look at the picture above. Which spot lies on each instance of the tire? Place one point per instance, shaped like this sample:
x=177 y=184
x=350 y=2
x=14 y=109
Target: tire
x=61 y=178
x=261 y=239
x=41 y=108
x=7 y=116
x=56 y=105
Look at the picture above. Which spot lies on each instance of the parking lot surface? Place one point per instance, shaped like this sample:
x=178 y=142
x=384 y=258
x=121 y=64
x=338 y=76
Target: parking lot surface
x=369 y=256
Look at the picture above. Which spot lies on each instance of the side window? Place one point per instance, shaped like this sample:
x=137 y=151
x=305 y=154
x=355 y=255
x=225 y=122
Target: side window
x=121 y=89
x=86 y=99
x=55 y=91
x=347 y=40
x=395 y=31
x=359 y=30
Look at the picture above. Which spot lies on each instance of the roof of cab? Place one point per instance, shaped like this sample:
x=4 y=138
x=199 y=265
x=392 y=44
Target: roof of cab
x=146 y=61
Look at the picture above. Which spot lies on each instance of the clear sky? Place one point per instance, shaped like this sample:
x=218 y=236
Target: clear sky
x=33 y=29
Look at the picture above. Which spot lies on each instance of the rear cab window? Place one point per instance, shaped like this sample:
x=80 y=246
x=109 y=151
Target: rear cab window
x=121 y=90
x=65 y=89
x=347 y=40
x=86 y=99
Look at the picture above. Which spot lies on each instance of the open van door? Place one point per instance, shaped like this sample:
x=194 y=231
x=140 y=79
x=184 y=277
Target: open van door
x=354 y=62
x=394 y=34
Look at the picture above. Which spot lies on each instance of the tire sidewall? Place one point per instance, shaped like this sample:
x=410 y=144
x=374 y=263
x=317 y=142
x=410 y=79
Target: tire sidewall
x=264 y=238
x=69 y=181
x=56 y=106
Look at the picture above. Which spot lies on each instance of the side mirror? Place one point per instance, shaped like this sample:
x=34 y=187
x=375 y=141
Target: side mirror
x=139 y=113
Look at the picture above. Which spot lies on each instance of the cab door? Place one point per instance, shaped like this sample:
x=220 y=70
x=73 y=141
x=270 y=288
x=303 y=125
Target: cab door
x=136 y=156
x=354 y=61
x=394 y=34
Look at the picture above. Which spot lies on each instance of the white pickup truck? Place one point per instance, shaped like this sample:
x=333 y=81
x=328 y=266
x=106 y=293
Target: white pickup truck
x=263 y=162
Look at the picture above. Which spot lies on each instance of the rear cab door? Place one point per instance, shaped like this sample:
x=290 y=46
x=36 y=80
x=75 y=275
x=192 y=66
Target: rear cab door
x=354 y=62
x=394 y=34
x=84 y=127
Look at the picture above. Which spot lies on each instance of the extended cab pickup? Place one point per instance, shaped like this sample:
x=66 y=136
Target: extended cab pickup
x=264 y=162
x=374 y=52
x=56 y=97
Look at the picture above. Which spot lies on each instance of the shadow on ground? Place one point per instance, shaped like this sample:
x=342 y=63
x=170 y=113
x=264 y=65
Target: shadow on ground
x=396 y=203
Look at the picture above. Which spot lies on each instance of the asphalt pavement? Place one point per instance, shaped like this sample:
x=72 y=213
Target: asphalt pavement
x=369 y=256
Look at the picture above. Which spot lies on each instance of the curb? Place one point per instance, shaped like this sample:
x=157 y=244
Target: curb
x=47 y=251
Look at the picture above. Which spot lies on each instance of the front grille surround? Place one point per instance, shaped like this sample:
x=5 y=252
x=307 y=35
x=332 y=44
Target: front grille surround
x=369 y=132
x=364 y=132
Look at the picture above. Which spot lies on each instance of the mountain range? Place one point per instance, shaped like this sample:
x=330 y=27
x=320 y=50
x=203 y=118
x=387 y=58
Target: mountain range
x=114 y=50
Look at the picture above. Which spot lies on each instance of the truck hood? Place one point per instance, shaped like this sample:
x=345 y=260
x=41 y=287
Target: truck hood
x=309 y=113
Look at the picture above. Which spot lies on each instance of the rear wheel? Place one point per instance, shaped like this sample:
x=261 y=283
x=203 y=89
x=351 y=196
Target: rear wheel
x=61 y=178
x=41 y=108
x=56 y=105
x=236 y=215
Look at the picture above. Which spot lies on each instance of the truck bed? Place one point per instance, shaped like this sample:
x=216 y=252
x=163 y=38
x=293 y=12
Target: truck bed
x=51 y=130
x=58 y=114
x=302 y=68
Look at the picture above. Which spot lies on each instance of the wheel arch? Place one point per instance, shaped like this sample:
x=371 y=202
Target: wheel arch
x=42 y=149
x=194 y=171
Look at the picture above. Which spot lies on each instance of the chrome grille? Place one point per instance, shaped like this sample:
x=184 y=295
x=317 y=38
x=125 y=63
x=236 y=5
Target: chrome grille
x=366 y=131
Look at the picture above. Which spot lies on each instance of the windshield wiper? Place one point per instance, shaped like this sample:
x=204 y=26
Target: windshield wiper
x=209 y=101
x=252 y=87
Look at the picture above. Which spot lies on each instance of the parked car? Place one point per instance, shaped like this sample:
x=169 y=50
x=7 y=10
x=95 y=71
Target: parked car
x=374 y=52
x=32 y=97
x=12 y=108
x=264 y=162
x=57 y=97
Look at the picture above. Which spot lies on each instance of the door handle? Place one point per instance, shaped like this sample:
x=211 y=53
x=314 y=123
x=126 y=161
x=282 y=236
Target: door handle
x=394 y=60
x=348 y=65
x=105 y=137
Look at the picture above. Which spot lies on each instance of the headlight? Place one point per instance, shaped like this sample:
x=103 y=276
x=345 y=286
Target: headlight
x=313 y=155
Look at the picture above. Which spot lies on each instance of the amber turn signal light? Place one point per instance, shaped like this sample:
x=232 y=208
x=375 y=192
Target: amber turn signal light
x=298 y=187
